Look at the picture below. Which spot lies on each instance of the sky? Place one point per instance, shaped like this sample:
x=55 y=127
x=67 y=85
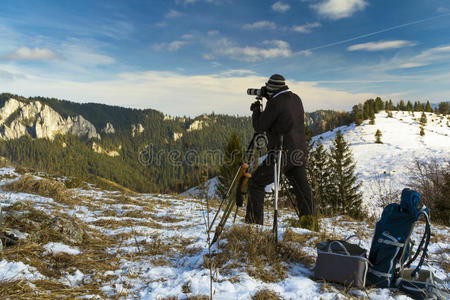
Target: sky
x=188 y=57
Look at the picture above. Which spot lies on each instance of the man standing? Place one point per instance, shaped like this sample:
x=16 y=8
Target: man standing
x=283 y=115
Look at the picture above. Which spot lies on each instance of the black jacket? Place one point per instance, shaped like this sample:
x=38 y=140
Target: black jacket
x=284 y=115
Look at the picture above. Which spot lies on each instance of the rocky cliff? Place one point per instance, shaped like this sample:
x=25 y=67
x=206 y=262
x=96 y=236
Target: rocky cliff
x=38 y=120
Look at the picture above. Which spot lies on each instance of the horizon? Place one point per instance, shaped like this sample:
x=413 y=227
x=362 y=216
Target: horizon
x=434 y=105
x=190 y=57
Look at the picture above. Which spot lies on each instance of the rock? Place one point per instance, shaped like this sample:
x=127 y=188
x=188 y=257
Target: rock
x=82 y=127
x=65 y=229
x=109 y=129
x=40 y=121
x=177 y=135
x=136 y=128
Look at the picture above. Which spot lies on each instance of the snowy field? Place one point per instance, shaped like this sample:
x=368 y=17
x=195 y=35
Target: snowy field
x=155 y=246
x=389 y=163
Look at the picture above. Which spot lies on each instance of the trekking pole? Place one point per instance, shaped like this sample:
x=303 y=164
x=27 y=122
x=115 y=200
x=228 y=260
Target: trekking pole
x=277 y=174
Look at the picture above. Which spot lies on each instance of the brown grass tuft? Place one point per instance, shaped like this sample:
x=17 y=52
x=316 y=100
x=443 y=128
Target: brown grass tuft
x=42 y=187
x=266 y=295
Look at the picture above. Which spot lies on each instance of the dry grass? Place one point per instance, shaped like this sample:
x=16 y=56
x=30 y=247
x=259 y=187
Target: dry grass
x=266 y=295
x=254 y=248
x=42 y=187
x=93 y=261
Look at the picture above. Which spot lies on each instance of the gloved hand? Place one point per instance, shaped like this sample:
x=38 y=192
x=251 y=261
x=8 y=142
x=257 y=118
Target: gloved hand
x=255 y=106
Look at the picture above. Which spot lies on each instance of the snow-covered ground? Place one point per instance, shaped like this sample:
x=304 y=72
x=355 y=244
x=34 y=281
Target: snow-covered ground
x=389 y=163
x=155 y=247
x=386 y=165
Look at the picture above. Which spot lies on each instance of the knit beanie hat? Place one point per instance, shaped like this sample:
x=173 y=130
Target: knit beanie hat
x=276 y=82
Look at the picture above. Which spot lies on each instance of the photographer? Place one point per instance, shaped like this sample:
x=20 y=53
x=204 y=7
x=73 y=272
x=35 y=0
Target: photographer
x=283 y=115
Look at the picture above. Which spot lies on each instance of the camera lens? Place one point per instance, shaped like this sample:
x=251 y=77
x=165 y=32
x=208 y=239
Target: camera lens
x=254 y=92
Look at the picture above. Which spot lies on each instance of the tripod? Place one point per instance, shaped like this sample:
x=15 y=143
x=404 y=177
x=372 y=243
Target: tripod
x=279 y=183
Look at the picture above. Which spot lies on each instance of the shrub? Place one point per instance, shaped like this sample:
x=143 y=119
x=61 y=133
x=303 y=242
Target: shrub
x=432 y=180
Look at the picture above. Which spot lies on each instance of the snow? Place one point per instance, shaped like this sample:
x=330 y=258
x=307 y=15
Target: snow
x=389 y=162
x=18 y=271
x=55 y=248
x=179 y=224
x=210 y=186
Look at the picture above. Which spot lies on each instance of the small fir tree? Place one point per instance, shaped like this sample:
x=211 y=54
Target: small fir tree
x=372 y=119
x=232 y=158
x=345 y=196
x=319 y=175
x=422 y=131
x=378 y=135
x=423 y=119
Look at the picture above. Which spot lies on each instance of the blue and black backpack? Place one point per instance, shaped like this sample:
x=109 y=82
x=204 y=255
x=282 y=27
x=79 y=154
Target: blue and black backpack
x=391 y=247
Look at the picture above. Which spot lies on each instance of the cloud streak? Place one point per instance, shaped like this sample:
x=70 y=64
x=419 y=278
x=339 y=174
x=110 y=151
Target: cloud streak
x=381 y=45
x=306 y=28
x=260 y=25
x=271 y=49
x=172 y=46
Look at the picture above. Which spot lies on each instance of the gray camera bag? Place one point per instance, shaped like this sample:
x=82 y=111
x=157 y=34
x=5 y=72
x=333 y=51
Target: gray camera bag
x=342 y=262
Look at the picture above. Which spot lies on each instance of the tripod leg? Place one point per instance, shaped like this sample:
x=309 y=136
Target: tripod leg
x=289 y=194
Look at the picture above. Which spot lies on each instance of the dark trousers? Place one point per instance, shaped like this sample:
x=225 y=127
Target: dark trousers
x=263 y=176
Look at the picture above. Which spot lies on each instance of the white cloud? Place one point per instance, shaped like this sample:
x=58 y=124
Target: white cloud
x=173 y=14
x=306 y=28
x=172 y=46
x=272 y=49
x=411 y=65
x=25 y=53
x=213 y=32
x=187 y=36
x=382 y=45
x=280 y=7
x=177 y=94
x=260 y=25
x=338 y=9
x=237 y=72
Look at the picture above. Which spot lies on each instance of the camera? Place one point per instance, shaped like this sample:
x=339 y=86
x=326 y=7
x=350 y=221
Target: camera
x=262 y=92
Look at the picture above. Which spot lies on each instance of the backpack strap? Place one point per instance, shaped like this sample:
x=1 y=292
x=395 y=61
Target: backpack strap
x=423 y=246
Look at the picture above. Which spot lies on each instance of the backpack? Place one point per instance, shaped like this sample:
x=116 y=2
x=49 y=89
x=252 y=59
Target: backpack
x=390 y=252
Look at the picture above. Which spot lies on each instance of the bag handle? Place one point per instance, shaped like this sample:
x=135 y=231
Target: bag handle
x=340 y=244
x=353 y=236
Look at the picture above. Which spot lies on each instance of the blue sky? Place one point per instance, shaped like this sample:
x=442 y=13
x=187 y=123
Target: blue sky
x=187 y=57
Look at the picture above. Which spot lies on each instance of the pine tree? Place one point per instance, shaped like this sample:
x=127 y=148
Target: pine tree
x=233 y=156
x=428 y=107
x=345 y=197
x=409 y=106
x=422 y=131
x=357 y=115
x=378 y=135
x=319 y=175
x=423 y=119
x=372 y=117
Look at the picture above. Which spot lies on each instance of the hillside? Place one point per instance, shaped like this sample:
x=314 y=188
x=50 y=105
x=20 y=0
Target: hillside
x=91 y=243
x=143 y=150
x=387 y=165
